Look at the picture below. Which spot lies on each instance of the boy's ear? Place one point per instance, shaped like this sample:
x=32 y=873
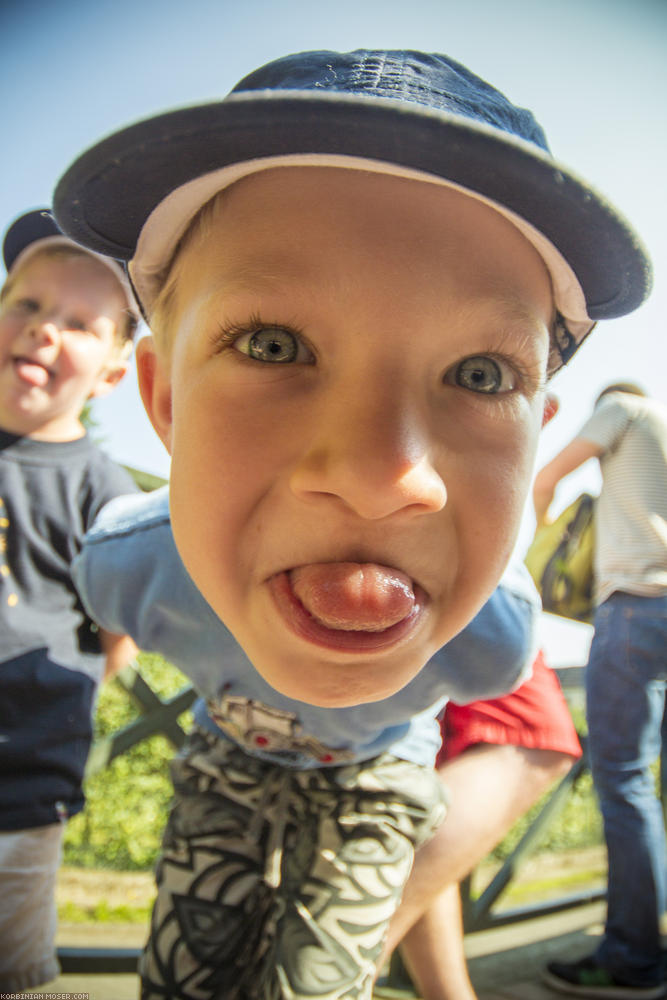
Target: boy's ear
x=109 y=379
x=155 y=388
x=551 y=407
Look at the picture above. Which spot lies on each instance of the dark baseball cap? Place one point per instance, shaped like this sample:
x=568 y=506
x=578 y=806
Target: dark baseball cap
x=36 y=229
x=407 y=113
x=37 y=224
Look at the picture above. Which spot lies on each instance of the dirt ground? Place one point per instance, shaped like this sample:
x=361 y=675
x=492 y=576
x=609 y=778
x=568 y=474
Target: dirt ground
x=85 y=887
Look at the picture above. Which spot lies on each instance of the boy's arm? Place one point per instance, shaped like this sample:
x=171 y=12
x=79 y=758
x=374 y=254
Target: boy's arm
x=119 y=650
x=566 y=461
x=131 y=581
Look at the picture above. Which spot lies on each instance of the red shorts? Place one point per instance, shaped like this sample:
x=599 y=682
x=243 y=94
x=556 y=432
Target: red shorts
x=536 y=715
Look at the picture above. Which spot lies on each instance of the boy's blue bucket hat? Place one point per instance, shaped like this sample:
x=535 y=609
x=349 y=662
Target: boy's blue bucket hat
x=419 y=115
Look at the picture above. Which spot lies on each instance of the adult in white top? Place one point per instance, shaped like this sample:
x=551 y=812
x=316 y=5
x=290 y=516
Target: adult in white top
x=625 y=682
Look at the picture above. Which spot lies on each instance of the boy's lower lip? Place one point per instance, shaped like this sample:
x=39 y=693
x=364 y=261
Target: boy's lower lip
x=302 y=623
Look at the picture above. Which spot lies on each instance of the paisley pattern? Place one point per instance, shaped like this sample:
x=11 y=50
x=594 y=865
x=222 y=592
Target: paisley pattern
x=278 y=884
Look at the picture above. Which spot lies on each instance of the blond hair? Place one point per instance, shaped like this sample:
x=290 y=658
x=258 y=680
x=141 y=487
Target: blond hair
x=162 y=315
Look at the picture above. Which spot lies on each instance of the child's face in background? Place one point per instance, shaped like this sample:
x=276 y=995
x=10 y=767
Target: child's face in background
x=58 y=322
x=352 y=399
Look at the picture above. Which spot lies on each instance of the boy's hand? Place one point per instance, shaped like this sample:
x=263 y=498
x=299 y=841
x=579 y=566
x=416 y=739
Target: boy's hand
x=543 y=494
x=120 y=650
x=573 y=455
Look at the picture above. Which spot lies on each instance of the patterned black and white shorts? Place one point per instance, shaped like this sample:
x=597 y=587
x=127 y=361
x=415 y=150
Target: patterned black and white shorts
x=279 y=884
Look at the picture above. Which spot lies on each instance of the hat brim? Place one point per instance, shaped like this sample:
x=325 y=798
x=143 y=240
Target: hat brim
x=106 y=196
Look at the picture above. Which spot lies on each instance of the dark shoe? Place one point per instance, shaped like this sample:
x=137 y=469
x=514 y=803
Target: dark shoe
x=586 y=978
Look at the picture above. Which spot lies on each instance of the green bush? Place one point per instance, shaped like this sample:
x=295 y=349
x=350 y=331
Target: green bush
x=578 y=824
x=127 y=803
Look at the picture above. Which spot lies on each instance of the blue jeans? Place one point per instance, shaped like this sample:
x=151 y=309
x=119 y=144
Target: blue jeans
x=625 y=695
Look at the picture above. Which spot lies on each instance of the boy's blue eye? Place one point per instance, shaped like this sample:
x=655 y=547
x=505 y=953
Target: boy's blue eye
x=483 y=374
x=275 y=345
x=272 y=345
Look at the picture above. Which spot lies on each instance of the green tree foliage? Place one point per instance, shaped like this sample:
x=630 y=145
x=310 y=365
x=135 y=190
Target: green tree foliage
x=127 y=804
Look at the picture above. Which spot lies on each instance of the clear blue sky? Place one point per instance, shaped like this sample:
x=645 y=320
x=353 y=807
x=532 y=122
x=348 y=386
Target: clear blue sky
x=593 y=71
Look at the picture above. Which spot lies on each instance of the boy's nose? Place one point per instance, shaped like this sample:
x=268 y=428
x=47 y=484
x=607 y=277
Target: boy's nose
x=43 y=328
x=374 y=459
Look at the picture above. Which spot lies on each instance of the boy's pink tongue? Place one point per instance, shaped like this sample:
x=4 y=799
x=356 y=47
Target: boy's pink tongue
x=32 y=373
x=354 y=596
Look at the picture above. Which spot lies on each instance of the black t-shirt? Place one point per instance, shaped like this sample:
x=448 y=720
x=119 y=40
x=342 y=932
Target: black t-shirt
x=50 y=660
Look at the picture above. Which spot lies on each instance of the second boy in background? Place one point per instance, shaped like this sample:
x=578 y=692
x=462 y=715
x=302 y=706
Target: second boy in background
x=67 y=322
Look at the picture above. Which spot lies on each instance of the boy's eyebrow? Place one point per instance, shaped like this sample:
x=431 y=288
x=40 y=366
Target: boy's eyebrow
x=263 y=268
x=250 y=279
x=507 y=323
x=264 y=275
x=513 y=313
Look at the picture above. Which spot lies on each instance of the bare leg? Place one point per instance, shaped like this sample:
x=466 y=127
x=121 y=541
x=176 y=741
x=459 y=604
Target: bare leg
x=491 y=787
x=433 y=950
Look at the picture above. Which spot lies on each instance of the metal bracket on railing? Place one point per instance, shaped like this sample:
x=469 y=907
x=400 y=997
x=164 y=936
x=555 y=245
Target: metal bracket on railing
x=157 y=717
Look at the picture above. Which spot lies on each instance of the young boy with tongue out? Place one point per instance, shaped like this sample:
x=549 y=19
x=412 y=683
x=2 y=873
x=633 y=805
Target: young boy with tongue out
x=67 y=321
x=360 y=271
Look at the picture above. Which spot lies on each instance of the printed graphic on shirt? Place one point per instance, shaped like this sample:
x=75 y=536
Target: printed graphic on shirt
x=256 y=726
x=7 y=592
